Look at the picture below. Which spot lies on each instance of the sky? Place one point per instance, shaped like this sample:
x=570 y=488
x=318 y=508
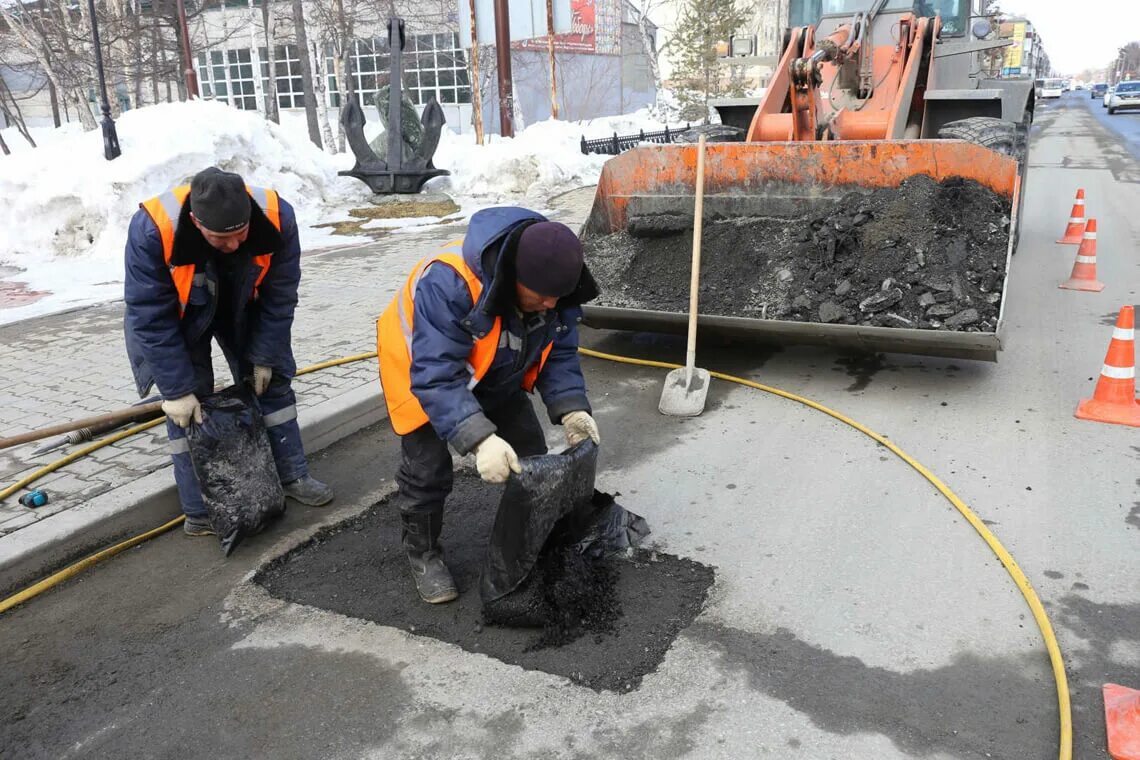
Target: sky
x=1080 y=35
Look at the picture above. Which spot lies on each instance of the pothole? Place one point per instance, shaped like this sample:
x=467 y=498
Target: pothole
x=358 y=568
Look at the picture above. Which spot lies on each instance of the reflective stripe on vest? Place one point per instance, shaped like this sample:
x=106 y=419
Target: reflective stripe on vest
x=165 y=211
x=394 y=330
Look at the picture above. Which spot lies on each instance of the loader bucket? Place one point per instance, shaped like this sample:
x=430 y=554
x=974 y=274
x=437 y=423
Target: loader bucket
x=788 y=180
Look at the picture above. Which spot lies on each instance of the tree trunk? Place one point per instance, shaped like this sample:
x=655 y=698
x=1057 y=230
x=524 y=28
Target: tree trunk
x=321 y=88
x=154 y=63
x=4 y=146
x=306 y=72
x=255 y=58
x=650 y=46
x=230 y=98
x=272 y=110
x=54 y=104
x=12 y=113
x=137 y=51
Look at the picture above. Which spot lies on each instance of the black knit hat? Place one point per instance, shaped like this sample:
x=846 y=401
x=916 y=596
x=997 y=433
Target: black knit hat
x=219 y=200
x=549 y=259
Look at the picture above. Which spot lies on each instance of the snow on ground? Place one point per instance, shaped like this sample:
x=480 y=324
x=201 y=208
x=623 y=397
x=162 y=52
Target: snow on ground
x=64 y=209
x=543 y=160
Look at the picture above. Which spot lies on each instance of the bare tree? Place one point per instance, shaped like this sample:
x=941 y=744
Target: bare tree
x=306 y=72
x=320 y=88
x=12 y=114
x=647 y=32
x=272 y=107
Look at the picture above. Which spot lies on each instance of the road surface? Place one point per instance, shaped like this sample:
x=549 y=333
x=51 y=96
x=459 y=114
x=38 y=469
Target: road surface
x=854 y=613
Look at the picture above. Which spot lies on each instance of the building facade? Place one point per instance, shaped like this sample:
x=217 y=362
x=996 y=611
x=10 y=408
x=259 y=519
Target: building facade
x=601 y=68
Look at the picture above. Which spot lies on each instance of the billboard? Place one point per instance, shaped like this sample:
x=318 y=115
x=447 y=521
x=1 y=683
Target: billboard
x=1012 y=59
x=582 y=36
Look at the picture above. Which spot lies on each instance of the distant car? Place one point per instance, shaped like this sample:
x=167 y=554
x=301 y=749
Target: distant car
x=1107 y=95
x=1125 y=97
x=1098 y=90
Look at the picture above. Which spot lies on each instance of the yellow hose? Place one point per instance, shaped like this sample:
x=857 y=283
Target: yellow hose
x=78 y=453
x=75 y=569
x=1007 y=560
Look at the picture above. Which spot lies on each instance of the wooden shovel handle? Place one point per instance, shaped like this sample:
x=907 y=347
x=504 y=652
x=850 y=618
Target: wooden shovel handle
x=695 y=276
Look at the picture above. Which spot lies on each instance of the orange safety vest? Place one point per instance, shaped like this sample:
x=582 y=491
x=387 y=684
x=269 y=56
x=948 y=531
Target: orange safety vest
x=165 y=211
x=394 y=343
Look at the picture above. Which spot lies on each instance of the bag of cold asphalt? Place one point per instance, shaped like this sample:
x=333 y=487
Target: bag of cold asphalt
x=235 y=467
x=546 y=564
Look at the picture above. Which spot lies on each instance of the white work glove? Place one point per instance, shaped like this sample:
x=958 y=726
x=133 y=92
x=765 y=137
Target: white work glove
x=261 y=378
x=580 y=426
x=495 y=459
x=181 y=410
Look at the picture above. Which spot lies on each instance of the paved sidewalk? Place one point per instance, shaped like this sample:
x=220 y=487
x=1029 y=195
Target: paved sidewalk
x=72 y=365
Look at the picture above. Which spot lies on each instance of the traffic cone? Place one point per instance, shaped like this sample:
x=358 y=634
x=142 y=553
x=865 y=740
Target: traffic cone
x=1114 y=399
x=1122 y=721
x=1084 y=269
x=1076 y=225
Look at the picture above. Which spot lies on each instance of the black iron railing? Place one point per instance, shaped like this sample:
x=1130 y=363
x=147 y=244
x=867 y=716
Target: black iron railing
x=612 y=146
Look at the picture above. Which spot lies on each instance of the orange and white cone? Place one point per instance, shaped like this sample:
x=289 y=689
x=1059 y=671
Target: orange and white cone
x=1084 y=268
x=1076 y=224
x=1114 y=399
x=1122 y=721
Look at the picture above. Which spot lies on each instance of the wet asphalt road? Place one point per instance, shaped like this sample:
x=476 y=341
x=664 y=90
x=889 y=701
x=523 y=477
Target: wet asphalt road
x=854 y=613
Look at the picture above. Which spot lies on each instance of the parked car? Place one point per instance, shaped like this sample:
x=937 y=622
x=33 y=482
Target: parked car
x=1107 y=95
x=1125 y=97
x=1098 y=90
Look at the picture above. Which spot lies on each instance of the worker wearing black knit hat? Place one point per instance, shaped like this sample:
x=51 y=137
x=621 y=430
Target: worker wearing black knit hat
x=216 y=259
x=477 y=326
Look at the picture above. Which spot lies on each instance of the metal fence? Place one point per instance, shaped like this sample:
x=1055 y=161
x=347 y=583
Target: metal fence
x=612 y=146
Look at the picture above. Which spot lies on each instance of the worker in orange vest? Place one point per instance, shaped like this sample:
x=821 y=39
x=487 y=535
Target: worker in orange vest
x=217 y=259
x=477 y=326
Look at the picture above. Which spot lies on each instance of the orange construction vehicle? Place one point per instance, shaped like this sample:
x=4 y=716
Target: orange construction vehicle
x=869 y=94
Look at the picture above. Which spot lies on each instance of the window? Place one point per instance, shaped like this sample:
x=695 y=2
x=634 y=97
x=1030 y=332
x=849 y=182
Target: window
x=227 y=75
x=433 y=66
x=290 y=93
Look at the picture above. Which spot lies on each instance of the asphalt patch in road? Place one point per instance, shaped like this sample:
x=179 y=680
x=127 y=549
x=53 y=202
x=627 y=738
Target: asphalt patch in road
x=358 y=568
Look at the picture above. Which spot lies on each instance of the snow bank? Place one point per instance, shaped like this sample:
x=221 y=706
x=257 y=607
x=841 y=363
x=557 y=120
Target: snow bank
x=64 y=209
x=542 y=160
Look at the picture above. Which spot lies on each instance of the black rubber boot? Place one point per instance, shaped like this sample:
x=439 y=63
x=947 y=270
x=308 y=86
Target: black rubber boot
x=421 y=542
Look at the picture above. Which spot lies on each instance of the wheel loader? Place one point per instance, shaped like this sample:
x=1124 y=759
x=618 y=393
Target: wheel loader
x=868 y=94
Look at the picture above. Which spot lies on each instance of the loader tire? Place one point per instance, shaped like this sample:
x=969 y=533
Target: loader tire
x=1005 y=137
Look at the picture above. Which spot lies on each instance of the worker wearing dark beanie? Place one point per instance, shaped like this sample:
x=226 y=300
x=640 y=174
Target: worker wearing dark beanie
x=479 y=325
x=549 y=259
x=219 y=201
x=211 y=261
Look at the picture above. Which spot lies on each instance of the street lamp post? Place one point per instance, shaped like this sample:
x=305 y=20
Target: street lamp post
x=187 y=60
x=110 y=137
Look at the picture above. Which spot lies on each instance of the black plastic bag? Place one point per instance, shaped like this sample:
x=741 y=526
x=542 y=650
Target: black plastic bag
x=553 y=525
x=235 y=467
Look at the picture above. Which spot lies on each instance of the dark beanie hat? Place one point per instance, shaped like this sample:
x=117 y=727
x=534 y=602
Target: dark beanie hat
x=219 y=200
x=549 y=259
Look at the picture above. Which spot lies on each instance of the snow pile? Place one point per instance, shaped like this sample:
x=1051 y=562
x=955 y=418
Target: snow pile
x=64 y=209
x=543 y=160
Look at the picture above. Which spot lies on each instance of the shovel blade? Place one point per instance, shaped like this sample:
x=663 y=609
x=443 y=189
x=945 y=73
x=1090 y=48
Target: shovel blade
x=682 y=396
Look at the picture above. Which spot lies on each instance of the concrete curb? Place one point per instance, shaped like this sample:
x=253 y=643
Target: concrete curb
x=39 y=549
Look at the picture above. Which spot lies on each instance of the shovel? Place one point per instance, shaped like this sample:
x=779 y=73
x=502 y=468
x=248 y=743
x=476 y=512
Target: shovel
x=686 y=388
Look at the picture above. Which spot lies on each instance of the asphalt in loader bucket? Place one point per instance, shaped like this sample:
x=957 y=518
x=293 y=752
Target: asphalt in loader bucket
x=789 y=181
